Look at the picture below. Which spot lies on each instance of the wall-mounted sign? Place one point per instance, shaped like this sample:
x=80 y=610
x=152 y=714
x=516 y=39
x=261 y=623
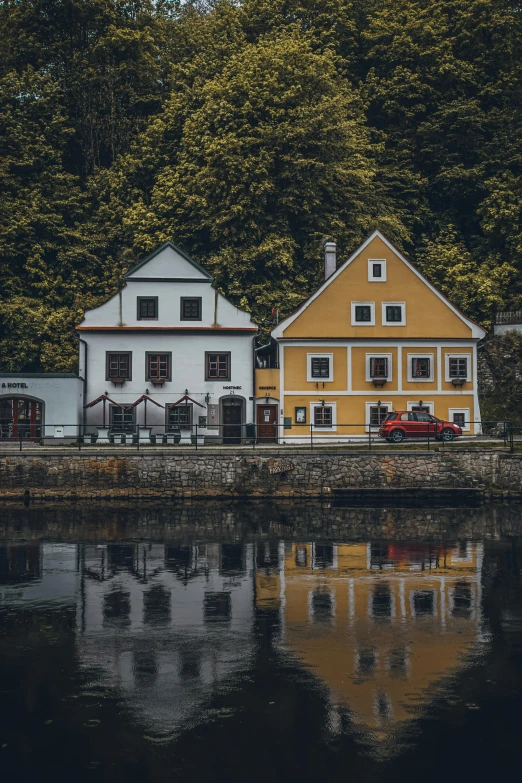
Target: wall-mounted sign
x=300 y=415
x=280 y=466
x=232 y=387
x=212 y=417
x=14 y=386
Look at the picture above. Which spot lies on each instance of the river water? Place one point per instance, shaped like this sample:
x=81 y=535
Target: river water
x=260 y=642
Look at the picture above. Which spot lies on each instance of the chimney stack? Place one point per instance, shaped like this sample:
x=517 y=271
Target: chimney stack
x=330 y=258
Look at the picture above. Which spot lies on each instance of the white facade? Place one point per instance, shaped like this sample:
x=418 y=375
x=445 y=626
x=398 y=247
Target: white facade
x=168 y=316
x=40 y=405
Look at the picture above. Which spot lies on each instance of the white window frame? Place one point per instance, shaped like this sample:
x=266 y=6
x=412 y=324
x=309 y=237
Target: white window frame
x=412 y=404
x=457 y=356
x=309 y=357
x=467 y=417
x=368 y=405
x=429 y=356
x=382 y=262
x=370 y=356
x=327 y=404
x=371 y=305
x=402 y=322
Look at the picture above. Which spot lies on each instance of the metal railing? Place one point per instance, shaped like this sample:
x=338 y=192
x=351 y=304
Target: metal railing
x=509 y=317
x=500 y=434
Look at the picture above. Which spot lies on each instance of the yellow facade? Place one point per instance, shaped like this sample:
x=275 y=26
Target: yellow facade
x=380 y=625
x=328 y=354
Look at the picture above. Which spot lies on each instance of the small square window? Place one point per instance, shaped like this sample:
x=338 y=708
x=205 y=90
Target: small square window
x=458 y=368
x=320 y=367
x=377 y=415
x=393 y=313
x=191 y=308
x=218 y=366
x=118 y=366
x=147 y=308
x=179 y=417
x=377 y=270
x=363 y=313
x=122 y=419
x=379 y=367
x=158 y=367
x=420 y=367
x=323 y=416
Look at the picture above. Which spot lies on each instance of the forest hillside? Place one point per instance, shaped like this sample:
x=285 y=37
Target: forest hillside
x=247 y=132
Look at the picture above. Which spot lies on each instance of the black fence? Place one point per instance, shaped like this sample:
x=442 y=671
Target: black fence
x=498 y=434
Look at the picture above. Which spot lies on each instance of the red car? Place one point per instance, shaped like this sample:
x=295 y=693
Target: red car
x=416 y=424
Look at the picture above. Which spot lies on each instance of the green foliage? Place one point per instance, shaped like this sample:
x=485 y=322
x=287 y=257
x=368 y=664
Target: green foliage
x=248 y=132
x=503 y=357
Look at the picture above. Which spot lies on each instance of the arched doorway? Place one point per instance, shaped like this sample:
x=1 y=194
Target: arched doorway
x=21 y=417
x=233 y=418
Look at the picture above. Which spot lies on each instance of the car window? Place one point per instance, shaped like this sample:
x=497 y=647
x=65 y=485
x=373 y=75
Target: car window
x=434 y=419
x=391 y=417
x=423 y=417
x=406 y=417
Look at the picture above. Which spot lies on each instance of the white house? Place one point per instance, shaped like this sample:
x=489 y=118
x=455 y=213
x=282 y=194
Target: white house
x=168 y=355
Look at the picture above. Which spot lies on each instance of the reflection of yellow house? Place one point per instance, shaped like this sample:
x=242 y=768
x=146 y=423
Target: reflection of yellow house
x=381 y=625
x=375 y=337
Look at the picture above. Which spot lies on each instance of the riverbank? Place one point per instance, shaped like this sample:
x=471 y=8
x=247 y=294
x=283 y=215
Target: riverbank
x=232 y=474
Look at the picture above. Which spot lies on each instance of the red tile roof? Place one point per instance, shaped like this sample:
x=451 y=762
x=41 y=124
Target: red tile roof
x=166 y=328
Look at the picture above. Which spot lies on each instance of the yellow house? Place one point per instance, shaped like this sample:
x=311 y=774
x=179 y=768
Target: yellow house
x=375 y=337
x=382 y=625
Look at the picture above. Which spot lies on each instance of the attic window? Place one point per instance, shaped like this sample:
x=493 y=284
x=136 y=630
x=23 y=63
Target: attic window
x=191 y=308
x=147 y=308
x=377 y=270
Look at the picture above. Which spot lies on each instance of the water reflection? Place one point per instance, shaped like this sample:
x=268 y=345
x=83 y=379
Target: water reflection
x=190 y=635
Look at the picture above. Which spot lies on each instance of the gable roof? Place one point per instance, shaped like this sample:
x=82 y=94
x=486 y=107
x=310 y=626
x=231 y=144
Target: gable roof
x=476 y=330
x=159 y=250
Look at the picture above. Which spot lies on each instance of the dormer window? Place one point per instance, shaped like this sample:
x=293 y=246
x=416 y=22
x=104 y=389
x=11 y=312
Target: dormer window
x=191 y=308
x=147 y=308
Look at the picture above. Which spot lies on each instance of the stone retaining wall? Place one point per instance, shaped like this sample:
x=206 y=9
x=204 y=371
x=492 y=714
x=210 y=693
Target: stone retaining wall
x=233 y=474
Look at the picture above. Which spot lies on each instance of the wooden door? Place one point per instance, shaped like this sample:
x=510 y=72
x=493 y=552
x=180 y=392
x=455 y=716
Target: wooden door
x=267 y=423
x=232 y=423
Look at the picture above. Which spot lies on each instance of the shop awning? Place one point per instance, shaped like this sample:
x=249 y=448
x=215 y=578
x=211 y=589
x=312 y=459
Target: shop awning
x=144 y=398
x=103 y=398
x=186 y=399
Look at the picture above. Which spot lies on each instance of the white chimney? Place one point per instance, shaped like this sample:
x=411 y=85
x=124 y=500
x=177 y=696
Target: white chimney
x=330 y=258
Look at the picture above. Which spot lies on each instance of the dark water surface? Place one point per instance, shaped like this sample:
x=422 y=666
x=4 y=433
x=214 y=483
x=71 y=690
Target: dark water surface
x=260 y=642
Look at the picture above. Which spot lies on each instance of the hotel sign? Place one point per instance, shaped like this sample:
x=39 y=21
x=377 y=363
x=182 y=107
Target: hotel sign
x=14 y=386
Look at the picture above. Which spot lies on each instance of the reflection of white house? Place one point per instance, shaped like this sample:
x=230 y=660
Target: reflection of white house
x=169 y=335
x=165 y=625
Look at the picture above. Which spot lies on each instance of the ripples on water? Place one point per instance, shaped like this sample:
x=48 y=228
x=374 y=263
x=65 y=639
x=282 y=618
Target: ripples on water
x=260 y=652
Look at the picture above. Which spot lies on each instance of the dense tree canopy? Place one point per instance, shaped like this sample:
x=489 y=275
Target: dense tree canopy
x=248 y=132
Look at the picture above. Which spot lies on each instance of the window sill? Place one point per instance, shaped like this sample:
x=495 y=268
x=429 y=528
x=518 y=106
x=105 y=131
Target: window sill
x=459 y=381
